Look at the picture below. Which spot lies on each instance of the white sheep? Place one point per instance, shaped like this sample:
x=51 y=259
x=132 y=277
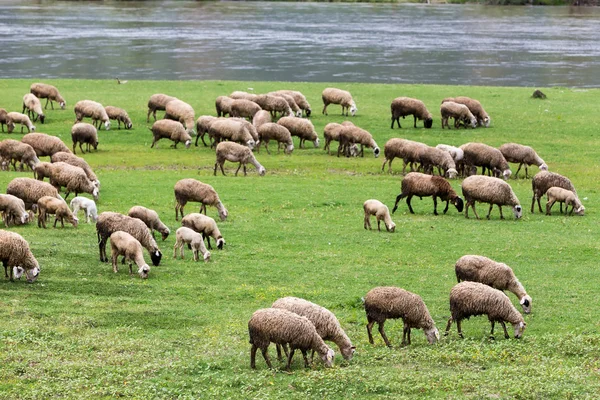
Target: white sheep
x=18 y=118
x=341 y=97
x=87 y=205
x=123 y=244
x=48 y=92
x=194 y=240
x=169 y=129
x=564 y=196
x=34 y=108
x=93 y=110
x=15 y=252
x=381 y=212
x=490 y=190
x=206 y=226
x=151 y=219
x=234 y=152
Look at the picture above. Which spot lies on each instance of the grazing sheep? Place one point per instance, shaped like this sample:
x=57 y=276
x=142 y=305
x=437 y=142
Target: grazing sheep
x=123 y=244
x=34 y=107
x=151 y=219
x=489 y=272
x=543 y=181
x=483 y=119
x=110 y=222
x=381 y=212
x=341 y=97
x=239 y=95
x=274 y=104
x=231 y=129
x=48 y=92
x=297 y=111
x=203 y=124
x=249 y=127
x=284 y=327
x=43 y=170
x=403 y=106
x=119 y=115
x=223 y=105
x=206 y=226
x=564 y=196
x=15 y=252
x=299 y=98
x=58 y=207
x=388 y=302
x=73 y=179
x=13 y=151
x=422 y=185
x=519 y=154
x=93 y=110
x=45 y=145
x=433 y=157
x=31 y=190
x=271 y=131
x=302 y=128
x=173 y=130
x=194 y=240
x=331 y=133
x=538 y=94
x=457 y=155
x=482 y=155
x=158 y=102
x=13 y=209
x=350 y=134
x=6 y=120
x=234 y=152
x=72 y=159
x=18 y=118
x=181 y=111
x=193 y=190
x=260 y=118
x=473 y=298
x=83 y=132
x=327 y=325
x=490 y=190
x=87 y=205
x=408 y=150
x=459 y=112
x=242 y=108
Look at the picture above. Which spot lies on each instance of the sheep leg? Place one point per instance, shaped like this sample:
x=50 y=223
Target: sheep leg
x=526 y=172
x=490 y=211
x=306 y=363
x=540 y=206
x=410 y=207
x=458 y=326
x=130 y=269
x=398 y=198
x=114 y=257
x=253 y=356
x=404 y=335
x=325 y=109
x=415 y=117
x=500 y=208
x=238 y=169
x=208 y=242
x=474 y=211
x=435 y=205
x=81 y=148
x=267 y=147
x=492 y=331
x=245 y=170
x=290 y=356
x=518 y=169
x=370 y=323
x=223 y=171
x=367 y=221
x=382 y=333
x=506 y=335
x=378 y=224
x=560 y=204
x=447 y=205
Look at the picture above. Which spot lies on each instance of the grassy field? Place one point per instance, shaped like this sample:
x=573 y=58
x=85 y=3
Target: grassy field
x=81 y=331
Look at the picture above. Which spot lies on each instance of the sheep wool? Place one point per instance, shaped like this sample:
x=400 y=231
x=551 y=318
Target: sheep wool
x=31 y=190
x=120 y=115
x=13 y=151
x=194 y=240
x=123 y=244
x=206 y=226
x=13 y=209
x=58 y=207
x=403 y=106
x=260 y=118
x=34 y=108
x=302 y=128
x=341 y=97
x=490 y=190
x=422 y=185
x=181 y=111
x=73 y=178
x=564 y=196
x=22 y=119
x=169 y=129
x=156 y=102
x=231 y=129
x=223 y=105
x=408 y=150
x=234 y=152
x=381 y=213
x=274 y=104
x=433 y=157
x=474 y=106
x=272 y=131
x=72 y=159
x=83 y=132
x=94 y=110
x=45 y=145
x=193 y=190
x=203 y=124
x=482 y=155
x=459 y=112
x=15 y=252
x=243 y=108
x=151 y=219
x=543 y=181
x=48 y=92
x=522 y=155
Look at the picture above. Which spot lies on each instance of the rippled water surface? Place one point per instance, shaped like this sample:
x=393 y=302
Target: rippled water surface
x=391 y=43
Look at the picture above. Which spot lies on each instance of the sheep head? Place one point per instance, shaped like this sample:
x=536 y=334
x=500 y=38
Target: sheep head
x=289 y=148
x=432 y=335
x=222 y=211
x=299 y=113
x=391 y=227
x=107 y=125
x=506 y=174
x=32 y=274
x=220 y=243
x=42 y=118
x=262 y=171
x=165 y=234
x=143 y=271
x=458 y=203
x=308 y=111
x=348 y=352
x=580 y=210
x=518 y=211
x=544 y=167
x=316 y=142
x=428 y=123
x=353 y=109
x=62 y=105
x=526 y=304
x=519 y=329
x=95 y=193
x=188 y=144
x=485 y=121
x=18 y=272
x=328 y=357
x=155 y=256
x=451 y=173
x=207 y=256
x=376 y=151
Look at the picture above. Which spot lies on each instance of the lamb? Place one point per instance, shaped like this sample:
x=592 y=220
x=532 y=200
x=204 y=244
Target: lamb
x=223 y=105
x=299 y=98
x=93 y=110
x=231 y=129
x=206 y=226
x=274 y=104
x=151 y=219
x=473 y=298
x=297 y=111
x=517 y=153
x=490 y=190
x=119 y=115
x=408 y=150
x=350 y=135
x=72 y=159
x=302 y=128
x=456 y=153
x=564 y=196
x=173 y=130
x=110 y=222
x=459 y=112
x=271 y=131
x=194 y=240
x=6 y=120
x=84 y=133
x=422 y=185
x=123 y=244
x=18 y=118
x=13 y=150
x=45 y=145
x=48 y=92
x=433 y=157
x=181 y=111
x=327 y=325
x=52 y=205
x=31 y=190
x=158 y=102
x=543 y=181
x=482 y=155
x=341 y=97
x=34 y=107
x=260 y=118
x=234 y=152
x=403 y=106
x=475 y=107
x=73 y=179
x=12 y=209
x=381 y=212
x=489 y=272
x=388 y=302
x=239 y=95
x=87 y=205
x=15 y=252
x=203 y=124
x=284 y=327
x=244 y=108
x=194 y=190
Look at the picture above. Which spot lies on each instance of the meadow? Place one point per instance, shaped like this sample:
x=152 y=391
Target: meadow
x=82 y=331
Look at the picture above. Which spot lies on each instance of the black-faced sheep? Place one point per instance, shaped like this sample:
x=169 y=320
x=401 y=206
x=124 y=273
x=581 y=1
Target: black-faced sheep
x=403 y=106
x=234 y=152
x=543 y=181
x=15 y=252
x=151 y=219
x=381 y=213
x=48 y=92
x=193 y=190
x=522 y=155
x=490 y=190
x=564 y=196
x=422 y=185
x=123 y=244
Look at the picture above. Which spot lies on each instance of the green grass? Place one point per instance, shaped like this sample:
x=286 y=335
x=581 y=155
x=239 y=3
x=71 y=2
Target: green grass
x=81 y=331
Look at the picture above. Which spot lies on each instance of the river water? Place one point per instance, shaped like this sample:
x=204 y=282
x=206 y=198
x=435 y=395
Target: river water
x=315 y=42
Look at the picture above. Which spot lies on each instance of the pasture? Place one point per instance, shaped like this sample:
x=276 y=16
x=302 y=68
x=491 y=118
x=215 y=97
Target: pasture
x=82 y=331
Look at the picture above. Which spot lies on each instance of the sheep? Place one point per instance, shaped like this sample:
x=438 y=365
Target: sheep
x=459 y=112
x=490 y=190
x=408 y=150
x=72 y=159
x=422 y=185
x=483 y=119
x=302 y=128
x=18 y=118
x=244 y=108
x=12 y=209
x=234 y=152
x=31 y=190
x=433 y=157
x=473 y=298
x=52 y=205
x=350 y=135
x=239 y=95
x=489 y=272
x=110 y=222
x=119 y=115
x=87 y=205
x=297 y=111
x=15 y=252
x=249 y=127
x=194 y=240
x=34 y=107
x=93 y=110
x=517 y=153
x=331 y=132
x=327 y=325
x=341 y=97
x=203 y=124
x=6 y=120
x=173 y=130
x=223 y=105
x=13 y=150
x=260 y=118
x=156 y=102
x=299 y=98
x=381 y=212
x=206 y=226
x=544 y=180
x=151 y=219
x=456 y=153
x=271 y=131
x=564 y=196
x=45 y=145
x=231 y=129
x=73 y=179
x=482 y=155
x=193 y=190
x=388 y=302
x=274 y=104
x=83 y=132
x=48 y=92
x=123 y=244
x=181 y=111
x=284 y=327
x=403 y=106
